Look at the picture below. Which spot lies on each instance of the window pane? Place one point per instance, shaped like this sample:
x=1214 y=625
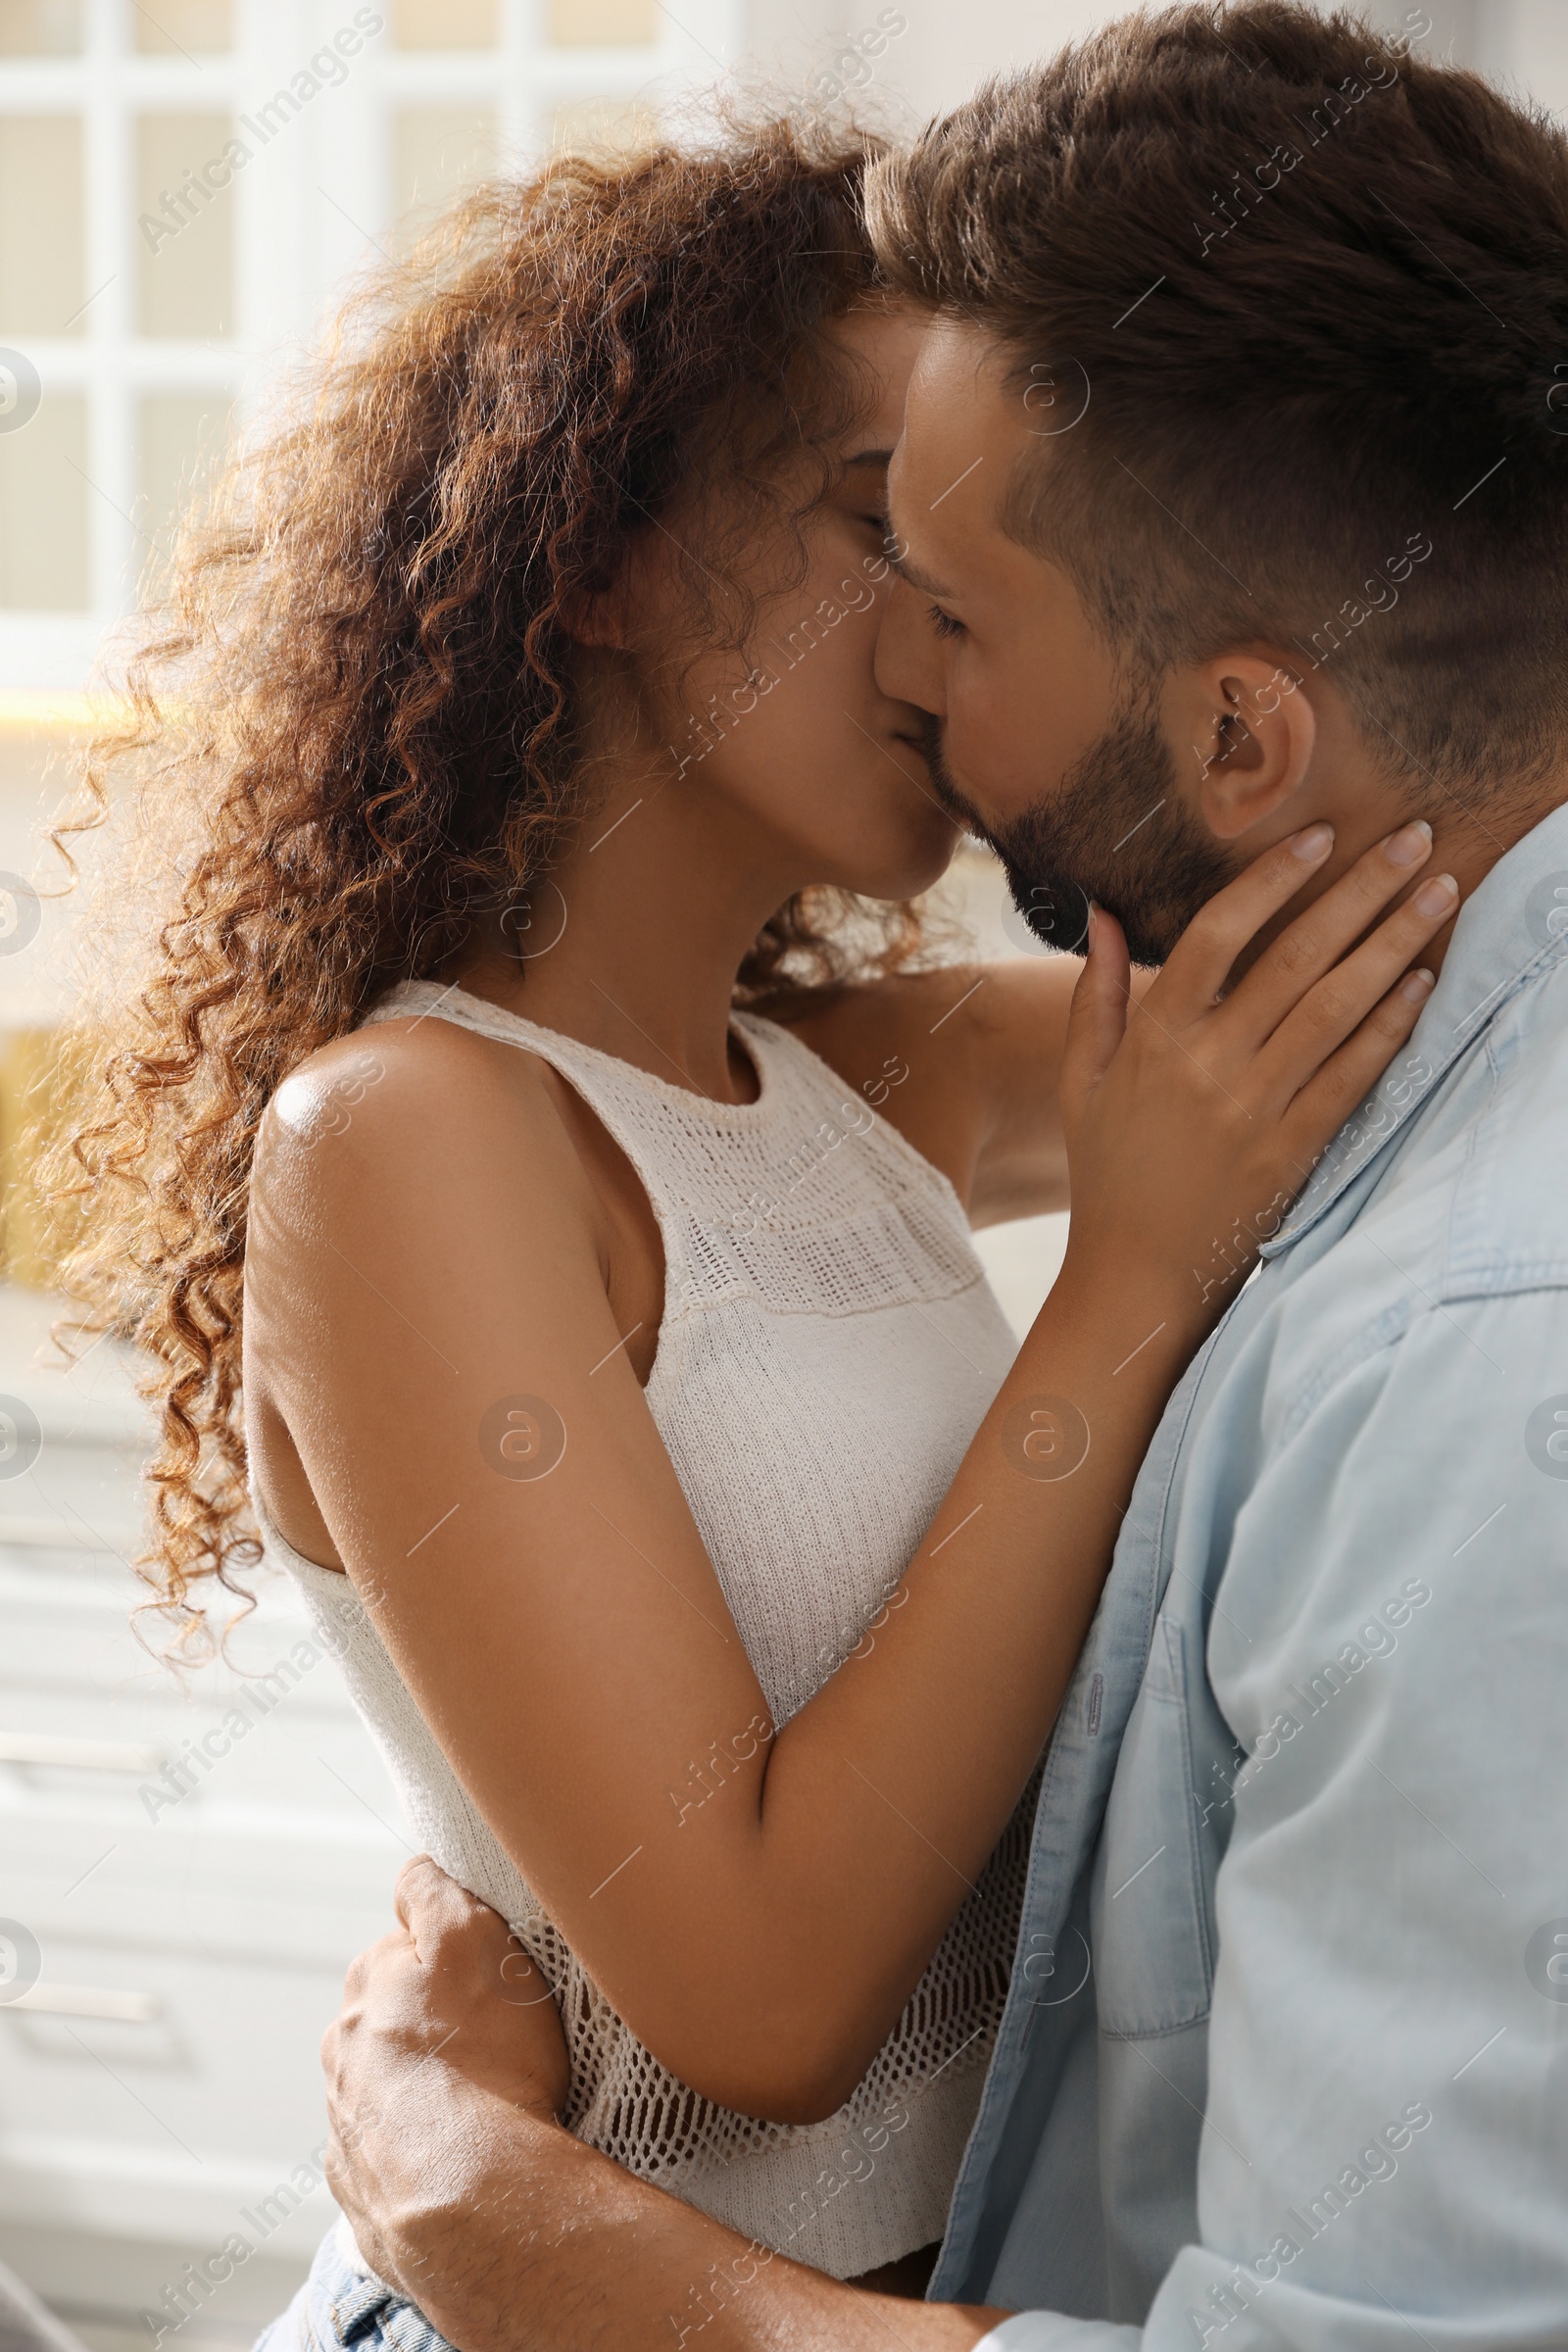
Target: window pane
x=595 y=23
x=597 y=124
x=186 y=223
x=40 y=224
x=182 y=26
x=180 y=437
x=439 y=151
x=445 y=24
x=43 y=509
x=40 y=27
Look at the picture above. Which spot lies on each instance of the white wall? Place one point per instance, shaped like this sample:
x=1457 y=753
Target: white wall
x=1527 y=42
x=946 y=49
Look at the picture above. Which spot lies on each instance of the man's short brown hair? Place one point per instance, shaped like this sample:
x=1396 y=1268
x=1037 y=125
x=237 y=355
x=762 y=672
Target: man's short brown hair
x=1314 y=291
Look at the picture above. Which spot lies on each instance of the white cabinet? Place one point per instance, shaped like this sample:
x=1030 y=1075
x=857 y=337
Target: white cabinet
x=187 y=1866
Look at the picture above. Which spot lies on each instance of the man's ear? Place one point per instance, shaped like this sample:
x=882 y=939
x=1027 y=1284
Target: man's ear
x=1255 y=734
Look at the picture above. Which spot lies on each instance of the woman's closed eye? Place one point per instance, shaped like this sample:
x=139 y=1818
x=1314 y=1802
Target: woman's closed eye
x=943 y=623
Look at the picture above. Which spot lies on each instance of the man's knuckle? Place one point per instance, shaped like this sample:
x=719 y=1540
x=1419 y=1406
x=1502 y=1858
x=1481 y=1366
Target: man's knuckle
x=418 y=1874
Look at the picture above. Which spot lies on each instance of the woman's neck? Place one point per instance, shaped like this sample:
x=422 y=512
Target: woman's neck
x=633 y=942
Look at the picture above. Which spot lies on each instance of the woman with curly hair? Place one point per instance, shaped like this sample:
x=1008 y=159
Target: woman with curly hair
x=540 y=1113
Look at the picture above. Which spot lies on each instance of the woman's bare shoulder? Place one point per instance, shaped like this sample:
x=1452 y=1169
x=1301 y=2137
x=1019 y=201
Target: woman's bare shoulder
x=375 y=1119
x=854 y=1027
x=408 y=1055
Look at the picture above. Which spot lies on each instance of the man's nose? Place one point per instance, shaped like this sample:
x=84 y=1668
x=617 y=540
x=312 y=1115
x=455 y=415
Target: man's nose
x=908 y=668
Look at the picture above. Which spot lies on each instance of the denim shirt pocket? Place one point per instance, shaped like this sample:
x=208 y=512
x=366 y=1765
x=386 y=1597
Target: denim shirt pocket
x=1154 y=1963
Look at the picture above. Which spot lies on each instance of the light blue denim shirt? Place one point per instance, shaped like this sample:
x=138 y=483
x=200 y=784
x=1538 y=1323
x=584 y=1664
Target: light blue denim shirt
x=1286 y=2057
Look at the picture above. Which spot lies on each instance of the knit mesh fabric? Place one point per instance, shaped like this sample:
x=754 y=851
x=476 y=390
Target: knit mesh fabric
x=828 y=1348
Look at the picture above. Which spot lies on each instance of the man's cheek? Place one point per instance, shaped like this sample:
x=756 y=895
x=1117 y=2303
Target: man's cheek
x=999 y=753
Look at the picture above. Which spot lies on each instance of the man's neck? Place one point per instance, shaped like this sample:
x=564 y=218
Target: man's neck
x=1473 y=827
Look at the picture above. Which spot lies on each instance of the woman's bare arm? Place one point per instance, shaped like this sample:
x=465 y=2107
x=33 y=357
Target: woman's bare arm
x=966 y=1063
x=565 y=1635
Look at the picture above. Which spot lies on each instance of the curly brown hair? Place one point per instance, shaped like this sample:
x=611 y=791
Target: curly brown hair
x=351 y=719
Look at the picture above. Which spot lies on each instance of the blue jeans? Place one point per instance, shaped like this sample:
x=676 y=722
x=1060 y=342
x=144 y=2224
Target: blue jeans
x=338 y=2306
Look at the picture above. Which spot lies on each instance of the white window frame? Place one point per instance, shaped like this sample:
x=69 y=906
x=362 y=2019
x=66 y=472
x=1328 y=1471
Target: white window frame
x=312 y=210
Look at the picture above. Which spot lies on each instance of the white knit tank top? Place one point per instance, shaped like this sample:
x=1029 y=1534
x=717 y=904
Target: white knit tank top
x=828 y=1348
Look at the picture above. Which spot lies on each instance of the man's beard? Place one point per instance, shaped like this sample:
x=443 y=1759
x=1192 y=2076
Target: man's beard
x=1115 y=830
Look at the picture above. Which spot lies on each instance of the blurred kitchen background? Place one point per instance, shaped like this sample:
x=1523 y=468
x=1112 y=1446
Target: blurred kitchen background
x=173 y=1927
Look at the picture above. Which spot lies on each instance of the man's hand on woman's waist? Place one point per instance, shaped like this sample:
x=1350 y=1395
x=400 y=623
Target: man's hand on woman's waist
x=444 y=2074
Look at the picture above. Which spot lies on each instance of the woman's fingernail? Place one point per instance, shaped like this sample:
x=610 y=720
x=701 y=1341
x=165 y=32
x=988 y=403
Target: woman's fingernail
x=1437 y=896
x=1417 y=985
x=1093 y=916
x=1409 y=845
x=1315 y=843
